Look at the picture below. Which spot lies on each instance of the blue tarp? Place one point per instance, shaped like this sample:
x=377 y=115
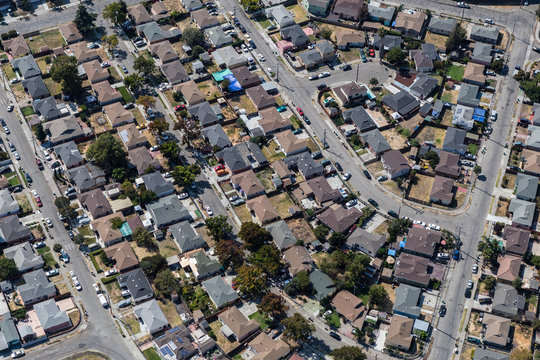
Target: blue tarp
x=234 y=85
x=402 y=244
x=479 y=118
x=480 y=112
x=220 y=75
x=391 y=252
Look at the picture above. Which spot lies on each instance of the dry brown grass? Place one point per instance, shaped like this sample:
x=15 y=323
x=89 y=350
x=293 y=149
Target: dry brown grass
x=430 y=133
x=502 y=207
x=140 y=251
x=243 y=213
x=422 y=188
x=301 y=230
x=375 y=167
x=522 y=335
x=168 y=248
x=243 y=102
x=282 y=203
x=169 y=310
x=438 y=40
x=223 y=342
x=395 y=140
x=233 y=133
x=474 y=327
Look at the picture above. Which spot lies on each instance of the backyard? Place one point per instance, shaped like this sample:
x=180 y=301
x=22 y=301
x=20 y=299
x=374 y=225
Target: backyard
x=438 y=40
x=421 y=188
x=301 y=230
x=54 y=87
x=168 y=248
x=169 y=309
x=272 y=151
x=282 y=203
x=298 y=13
x=23 y=202
x=430 y=133
x=209 y=90
x=243 y=102
x=263 y=321
x=456 y=72
x=265 y=177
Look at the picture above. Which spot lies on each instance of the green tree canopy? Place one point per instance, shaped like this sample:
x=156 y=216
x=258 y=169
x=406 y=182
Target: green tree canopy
x=57 y=247
x=107 y=152
x=110 y=40
x=300 y=284
x=152 y=265
x=218 y=227
x=395 y=56
x=273 y=305
x=345 y=269
x=229 y=253
x=348 y=353
x=377 y=295
x=159 y=125
x=143 y=238
x=115 y=12
x=63 y=204
x=337 y=240
x=297 y=328
x=489 y=282
x=251 y=280
x=64 y=70
x=144 y=65
x=193 y=37
x=170 y=150
x=134 y=82
x=320 y=232
x=41 y=135
x=326 y=33
x=8 y=269
x=166 y=283
x=146 y=101
x=268 y=258
x=84 y=20
x=185 y=175
x=254 y=235
x=116 y=222
x=455 y=38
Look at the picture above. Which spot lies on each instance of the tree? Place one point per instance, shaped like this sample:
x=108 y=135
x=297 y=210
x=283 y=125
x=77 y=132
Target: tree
x=337 y=240
x=78 y=239
x=432 y=157
x=253 y=235
x=345 y=269
x=320 y=232
x=108 y=152
x=146 y=101
x=128 y=190
x=373 y=81
x=490 y=250
x=398 y=227
x=297 y=328
x=268 y=258
x=115 y=13
x=119 y=174
x=455 y=38
x=348 y=353
x=185 y=175
x=144 y=65
x=41 y=135
x=197 y=50
x=273 y=305
x=116 y=222
x=326 y=33
x=395 y=56
x=477 y=169
x=64 y=70
x=84 y=20
x=134 y=82
x=193 y=37
x=251 y=280
x=229 y=253
x=517 y=282
x=170 y=150
x=218 y=227
x=251 y=5
x=225 y=85
x=8 y=269
x=489 y=282
x=159 y=125
x=143 y=238
x=110 y=40
x=300 y=284
x=377 y=294
x=57 y=247
x=537 y=12
x=63 y=204
x=166 y=283
x=152 y=265
x=521 y=354
x=497 y=65
x=146 y=196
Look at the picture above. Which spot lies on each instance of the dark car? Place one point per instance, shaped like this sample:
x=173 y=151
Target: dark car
x=442 y=310
x=393 y=213
x=334 y=335
x=307 y=120
x=373 y=202
x=346 y=67
x=338 y=166
x=321 y=86
x=252 y=44
x=468 y=293
x=367 y=174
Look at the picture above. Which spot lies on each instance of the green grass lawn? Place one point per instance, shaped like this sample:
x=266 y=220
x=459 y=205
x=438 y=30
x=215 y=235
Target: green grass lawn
x=85 y=231
x=9 y=71
x=43 y=250
x=53 y=38
x=263 y=321
x=27 y=111
x=473 y=149
x=333 y=320
x=54 y=87
x=446 y=98
x=151 y=354
x=49 y=261
x=263 y=21
x=125 y=94
x=456 y=72
x=13 y=179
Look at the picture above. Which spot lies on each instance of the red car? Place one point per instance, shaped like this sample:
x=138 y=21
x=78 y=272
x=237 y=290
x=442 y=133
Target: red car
x=219 y=167
x=371 y=53
x=300 y=111
x=38 y=201
x=179 y=107
x=39 y=163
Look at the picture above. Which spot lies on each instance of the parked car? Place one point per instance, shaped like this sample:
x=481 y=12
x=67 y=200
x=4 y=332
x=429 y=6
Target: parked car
x=393 y=214
x=351 y=203
x=346 y=67
x=461 y=4
x=321 y=86
x=39 y=244
x=367 y=174
x=338 y=165
x=17 y=354
x=124 y=69
x=300 y=111
x=313 y=77
x=111 y=272
x=373 y=202
x=49 y=222
x=470 y=284
x=442 y=310
x=316 y=154
x=334 y=335
x=125 y=293
x=346 y=176
x=324 y=74
x=382 y=178
x=10 y=107
x=96 y=287
x=434 y=227
x=489 y=21
x=123 y=303
x=52 y=272
x=475 y=269
x=209 y=210
x=183 y=196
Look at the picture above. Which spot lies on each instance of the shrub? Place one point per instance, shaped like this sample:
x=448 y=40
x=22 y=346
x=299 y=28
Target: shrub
x=108 y=280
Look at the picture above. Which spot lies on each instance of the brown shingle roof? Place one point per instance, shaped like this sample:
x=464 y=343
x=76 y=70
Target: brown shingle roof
x=299 y=259
x=143 y=160
x=474 y=73
x=399 y=332
x=70 y=32
x=442 y=189
x=104 y=228
x=268 y=349
x=159 y=10
x=260 y=97
x=413 y=269
x=343 y=38
x=339 y=219
x=517 y=240
x=245 y=77
x=509 y=267
x=496 y=329
x=448 y=164
x=131 y=137
x=123 y=254
x=422 y=241
x=82 y=53
x=263 y=209
x=350 y=307
x=139 y=14
x=191 y=92
x=290 y=143
x=322 y=190
x=117 y=115
x=16 y=46
x=163 y=50
x=532 y=161
x=248 y=182
x=203 y=19
x=272 y=120
x=240 y=326
x=407 y=22
x=105 y=93
x=95 y=72
x=96 y=203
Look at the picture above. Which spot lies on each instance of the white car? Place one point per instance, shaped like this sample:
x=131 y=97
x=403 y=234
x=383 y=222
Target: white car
x=78 y=287
x=470 y=284
x=475 y=269
x=72 y=273
x=110 y=272
x=49 y=222
x=34 y=192
x=262 y=58
x=324 y=74
x=17 y=156
x=418 y=222
x=244 y=48
x=96 y=287
x=493 y=115
x=346 y=176
x=183 y=196
x=17 y=354
x=105 y=64
x=209 y=210
x=351 y=203
x=434 y=227
x=76 y=281
x=39 y=245
x=489 y=21
x=52 y=272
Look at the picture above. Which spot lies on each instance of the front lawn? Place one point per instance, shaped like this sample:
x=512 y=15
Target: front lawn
x=263 y=321
x=421 y=189
x=456 y=72
x=333 y=320
x=125 y=94
x=28 y=111
x=262 y=20
x=9 y=71
x=271 y=153
x=53 y=38
x=133 y=323
x=151 y=354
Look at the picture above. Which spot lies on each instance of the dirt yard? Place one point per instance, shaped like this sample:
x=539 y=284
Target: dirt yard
x=301 y=230
x=412 y=123
x=508 y=181
x=375 y=168
x=438 y=40
x=395 y=140
x=209 y=90
x=233 y=133
x=502 y=207
x=430 y=133
x=422 y=188
x=474 y=328
x=522 y=335
x=282 y=204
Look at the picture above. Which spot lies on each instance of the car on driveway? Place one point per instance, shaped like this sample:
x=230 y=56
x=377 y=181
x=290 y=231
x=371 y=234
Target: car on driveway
x=39 y=245
x=96 y=287
x=346 y=176
x=105 y=64
x=183 y=196
x=17 y=354
x=52 y=272
x=351 y=203
x=346 y=67
x=111 y=272
x=179 y=107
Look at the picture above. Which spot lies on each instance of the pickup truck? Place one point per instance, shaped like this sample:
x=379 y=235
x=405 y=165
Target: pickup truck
x=103 y=301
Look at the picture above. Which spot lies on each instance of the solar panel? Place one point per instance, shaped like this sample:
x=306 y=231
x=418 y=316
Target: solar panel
x=180 y=339
x=169 y=351
x=124 y=136
x=171 y=345
x=163 y=350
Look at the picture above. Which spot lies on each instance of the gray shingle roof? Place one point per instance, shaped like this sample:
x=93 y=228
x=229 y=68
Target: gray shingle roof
x=526 y=186
x=485 y=354
x=156 y=182
x=87 y=176
x=310 y=57
x=216 y=136
x=522 y=211
x=11 y=230
x=137 y=284
x=507 y=300
x=454 y=141
x=64 y=129
x=217 y=36
x=204 y=113
x=47 y=108
x=37 y=287
x=24 y=256
x=402 y=102
x=27 y=66
x=153 y=32
x=69 y=154
x=36 y=87
x=8 y=205
x=8 y=332
x=305 y=164
x=388 y=42
x=386 y=13
x=186 y=238
x=174 y=72
x=482 y=52
x=295 y=34
x=219 y=291
x=323 y=285
x=424 y=85
x=468 y=95
x=481 y=32
x=406 y=302
x=442 y=25
x=205 y=266
x=50 y=316
x=282 y=234
x=364 y=241
x=376 y=141
x=242 y=155
x=167 y=210
x=151 y=316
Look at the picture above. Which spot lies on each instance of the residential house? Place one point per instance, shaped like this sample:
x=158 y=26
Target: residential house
x=216 y=137
x=26 y=66
x=260 y=97
x=69 y=154
x=227 y=57
x=191 y=93
x=482 y=54
x=87 y=177
x=509 y=268
x=247 y=184
x=496 y=330
x=488 y=34
x=185 y=237
x=96 y=203
x=338 y=218
x=368 y=243
x=263 y=209
x=325 y=49
x=517 y=240
x=531 y=161
x=217 y=37
x=463 y=117
x=24 y=256
x=94 y=72
x=411 y=24
x=142 y=160
x=360 y=118
x=533 y=137
x=399 y=333
x=485 y=354
x=402 y=102
x=272 y=122
x=181 y=343
x=83 y=53
x=322 y=284
x=163 y=51
x=374 y=140
x=159 y=11
x=265 y=348
x=203 y=113
x=469 y=95
x=380 y=13
x=412 y=269
x=350 y=9
x=295 y=35
x=48 y=108
x=454 y=141
x=203 y=19
x=174 y=72
x=155 y=33
x=117 y=115
x=387 y=42
x=507 y=302
x=65 y=129
x=167 y=211
x=156 y=182
x=423 y=86
x=442 y=26
x=105 y=94
x=289 y=143
x=408 y=301
x=151 y=315
x=310 y=58
x=51 y=318
x=347 y=39
x=350 y=307
x=349 y=94
x=139 y=15
x=280 y=14
x=282 y=235
x=522 y=212
x=106 y=234
x=242 y=157
x=395 y=164
x=36 y=287
x=442 y=191
x=322 y=191
x=9 y=336
x=317 y=7
x=422 y=242
x=12 y=231
x=245 y=77
x=448 y=165
x=421 y=61
x=137 y=284
x=201 y=265
x=8 y=205
x=131 y=136
x=526 y=187
x=298 y=259
x=36 y=88
x=474 y=74
x=16 y=46
x=305 y=164
x=236 y=325
x=122 y=256
x=219 y=291
x=192 y=5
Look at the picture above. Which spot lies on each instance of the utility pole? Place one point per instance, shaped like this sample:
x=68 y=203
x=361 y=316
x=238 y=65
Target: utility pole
x=357 y=70
x=277 y=73
x=324 y=138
